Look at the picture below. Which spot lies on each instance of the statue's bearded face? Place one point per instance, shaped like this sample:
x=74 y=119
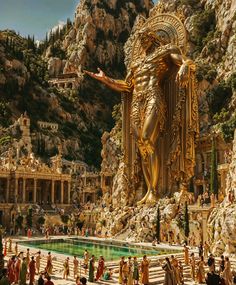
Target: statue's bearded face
x=147 y=39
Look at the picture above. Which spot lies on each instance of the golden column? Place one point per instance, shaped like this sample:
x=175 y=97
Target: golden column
x=24 y=183
x=8 y=187
x=16 y=189
x=69 y=189
x=35 y=191
x=62 y=192
x=53 y=191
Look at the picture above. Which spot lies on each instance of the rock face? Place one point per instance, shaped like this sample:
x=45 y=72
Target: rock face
x=96 y=39
x=55 y=66
x=222 y=223
x=99 y=32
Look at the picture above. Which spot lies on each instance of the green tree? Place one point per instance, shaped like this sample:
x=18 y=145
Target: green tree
x=158 y=225
x=191 y=185
x=65 y=219
x=41 y=220
x=186 y=221
x=29 y=217
x=214 y=174
x=80 y=224
x=19 y=221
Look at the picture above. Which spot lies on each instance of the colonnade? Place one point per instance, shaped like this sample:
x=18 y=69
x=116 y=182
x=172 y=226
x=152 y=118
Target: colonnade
x=35 y=190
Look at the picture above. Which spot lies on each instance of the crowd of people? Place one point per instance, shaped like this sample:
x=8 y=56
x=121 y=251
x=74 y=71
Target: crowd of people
x=216 y=275
x=65 y=230
x=131 y=272
x=23 y=267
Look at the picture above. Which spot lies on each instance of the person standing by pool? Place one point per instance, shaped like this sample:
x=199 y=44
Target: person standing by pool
x=169 y=273
x=17 y=269
x=49 y=265
x=125 y=273
x=201 y=270
x=101 y=267
x=91 y=269
x=11 y=269
x=175 y=267
x=145 y=270
x=38 y=257
x=120 y=269
x=136 y=271
x=186 y=255
x=16 y=249
x=86 y=261
x=66 y=271
x=32 y=271
x=28 y=257
x=23 y=272
x=131 y=268
x=192 y=266
x=76 y=265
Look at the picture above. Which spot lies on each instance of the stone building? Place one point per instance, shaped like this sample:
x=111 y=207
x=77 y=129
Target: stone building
x=47 y=125
x=90 y=187
x=65 y=81
x=25 y=142
x=28 y=182
x=203 y=163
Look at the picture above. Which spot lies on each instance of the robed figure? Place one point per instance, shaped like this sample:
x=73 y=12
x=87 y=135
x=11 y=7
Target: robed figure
x=101 y=268
x=91 y=269
x=23 y=272
x=49 y=265
x=32 y=270
x=169 y=273
x=17 y=269
x=160 y=111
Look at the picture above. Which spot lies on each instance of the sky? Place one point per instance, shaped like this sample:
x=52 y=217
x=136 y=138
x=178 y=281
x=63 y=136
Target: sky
x=35 y=17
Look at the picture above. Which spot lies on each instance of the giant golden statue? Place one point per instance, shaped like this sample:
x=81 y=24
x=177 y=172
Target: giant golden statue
x=159 y=106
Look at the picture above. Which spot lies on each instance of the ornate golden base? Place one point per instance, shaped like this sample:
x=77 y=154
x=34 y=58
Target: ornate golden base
x=149 y=199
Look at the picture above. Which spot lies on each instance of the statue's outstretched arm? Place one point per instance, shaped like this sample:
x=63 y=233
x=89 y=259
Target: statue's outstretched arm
x=186 y=66
x=118 y=85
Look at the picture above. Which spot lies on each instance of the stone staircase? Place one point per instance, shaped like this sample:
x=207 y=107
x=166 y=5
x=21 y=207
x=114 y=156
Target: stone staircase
x=156 y=273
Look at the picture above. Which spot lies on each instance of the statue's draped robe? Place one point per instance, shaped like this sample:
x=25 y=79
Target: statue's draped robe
x=176 y=143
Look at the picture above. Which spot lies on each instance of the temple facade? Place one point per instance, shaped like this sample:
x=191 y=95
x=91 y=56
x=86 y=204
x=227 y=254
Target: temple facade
x=28 y=182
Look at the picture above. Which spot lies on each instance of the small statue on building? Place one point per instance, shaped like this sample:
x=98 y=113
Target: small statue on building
x=213 y=200
x=231 y=197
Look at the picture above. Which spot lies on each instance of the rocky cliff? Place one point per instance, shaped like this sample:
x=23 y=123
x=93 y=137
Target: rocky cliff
x=94 y=39
x=222 y=223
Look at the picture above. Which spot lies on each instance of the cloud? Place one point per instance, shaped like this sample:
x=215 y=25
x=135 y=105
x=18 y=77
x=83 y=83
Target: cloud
x=37 y=42
x=59 y=25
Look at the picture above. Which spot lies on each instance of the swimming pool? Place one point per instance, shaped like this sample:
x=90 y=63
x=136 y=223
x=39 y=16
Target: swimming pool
x=76 y=246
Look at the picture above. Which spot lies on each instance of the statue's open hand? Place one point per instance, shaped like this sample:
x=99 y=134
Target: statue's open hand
x=183 y=75
x=99 y=76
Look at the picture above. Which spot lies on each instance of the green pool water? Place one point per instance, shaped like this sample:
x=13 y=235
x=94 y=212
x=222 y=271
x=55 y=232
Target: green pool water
x=77 y=247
